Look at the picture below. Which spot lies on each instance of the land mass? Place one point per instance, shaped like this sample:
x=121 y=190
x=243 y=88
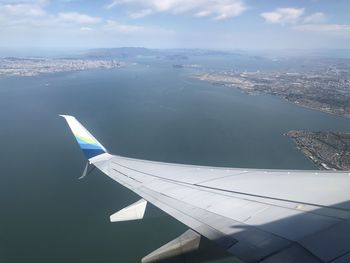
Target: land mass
x=328 y=150
x=134 y=52
x=327 y=90
x=12 y=66
x=105 y=58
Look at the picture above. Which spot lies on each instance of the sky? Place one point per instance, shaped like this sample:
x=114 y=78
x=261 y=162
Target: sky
x=210 y=24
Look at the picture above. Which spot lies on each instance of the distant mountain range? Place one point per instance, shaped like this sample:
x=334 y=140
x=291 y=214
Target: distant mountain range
x=132 y=52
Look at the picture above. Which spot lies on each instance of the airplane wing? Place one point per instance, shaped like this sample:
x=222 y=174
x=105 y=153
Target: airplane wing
x=256 y=215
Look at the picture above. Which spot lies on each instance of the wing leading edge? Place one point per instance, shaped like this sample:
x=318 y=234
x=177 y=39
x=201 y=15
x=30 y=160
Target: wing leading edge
x=256 y=215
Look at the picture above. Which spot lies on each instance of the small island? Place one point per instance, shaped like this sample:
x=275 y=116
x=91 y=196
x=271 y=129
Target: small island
x=328 y=150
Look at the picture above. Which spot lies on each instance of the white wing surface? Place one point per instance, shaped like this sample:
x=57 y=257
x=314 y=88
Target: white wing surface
x=255 y=215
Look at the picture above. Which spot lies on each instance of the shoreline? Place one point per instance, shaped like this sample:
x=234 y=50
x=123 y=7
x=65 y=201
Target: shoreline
x=252 y=90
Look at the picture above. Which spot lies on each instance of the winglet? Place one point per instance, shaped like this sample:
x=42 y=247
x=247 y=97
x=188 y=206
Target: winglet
x=87 y=142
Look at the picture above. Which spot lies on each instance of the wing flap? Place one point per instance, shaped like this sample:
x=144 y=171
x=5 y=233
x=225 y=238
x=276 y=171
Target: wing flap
x=330 y=243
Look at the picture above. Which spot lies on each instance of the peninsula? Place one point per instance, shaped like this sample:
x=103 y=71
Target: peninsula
x=328 y=150
x=326 y=91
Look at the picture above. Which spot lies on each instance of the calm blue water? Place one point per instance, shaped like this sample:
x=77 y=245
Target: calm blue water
x=154 y=112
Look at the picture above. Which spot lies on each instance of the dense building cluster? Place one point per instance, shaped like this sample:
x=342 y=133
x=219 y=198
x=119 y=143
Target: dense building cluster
x=328 y=150
x=35 y=66
x=327 y=91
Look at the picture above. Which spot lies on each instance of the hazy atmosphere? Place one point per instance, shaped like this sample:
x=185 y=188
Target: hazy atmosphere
x=228 y=24
x=174 y=131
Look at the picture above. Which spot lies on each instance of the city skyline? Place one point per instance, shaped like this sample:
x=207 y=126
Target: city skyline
x=213 y=24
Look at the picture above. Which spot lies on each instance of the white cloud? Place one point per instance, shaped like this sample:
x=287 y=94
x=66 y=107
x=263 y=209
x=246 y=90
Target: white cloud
x=123 y=28
x=283 y=15
x=202 y=13
x=33 y=2
x=26 y=13
x=86 y=29
x=140 y=14
x=338 y=29
x=23 y=9
x=74 y=17
x=216 y=9
x=19 y=18
x=318 y=17
x=24 y=1
x=314 y=23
